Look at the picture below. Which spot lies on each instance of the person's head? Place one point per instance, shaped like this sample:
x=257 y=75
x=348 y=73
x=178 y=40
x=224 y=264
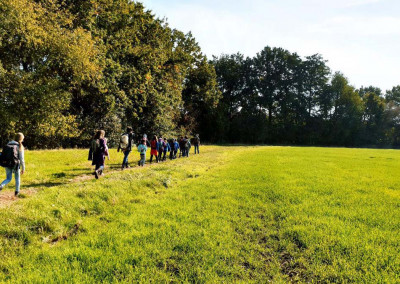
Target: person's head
x=186 y=137
x=197 y=135
x=142 y=141
x=19 y=137
x=129 y=129
x=99 y=134
x=154 y=137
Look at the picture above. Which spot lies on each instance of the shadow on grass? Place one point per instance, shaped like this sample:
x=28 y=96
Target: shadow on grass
x=45 y=184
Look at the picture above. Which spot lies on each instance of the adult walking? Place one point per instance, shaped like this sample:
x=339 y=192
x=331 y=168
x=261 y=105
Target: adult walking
x=125 y=146
x=13 y=160
x=99 y=150
x=196 y=143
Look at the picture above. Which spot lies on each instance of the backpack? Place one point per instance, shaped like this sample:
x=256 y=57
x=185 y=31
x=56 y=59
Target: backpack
x=124 y=141
x=9 y=158
x=162 y=146
x=97 y=146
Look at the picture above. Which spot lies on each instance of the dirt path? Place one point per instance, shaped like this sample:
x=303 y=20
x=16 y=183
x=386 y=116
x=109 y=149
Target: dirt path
x=7 y=197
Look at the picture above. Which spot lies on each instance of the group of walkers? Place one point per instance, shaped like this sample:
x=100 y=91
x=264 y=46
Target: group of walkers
x=159 y=149
x=13 y=160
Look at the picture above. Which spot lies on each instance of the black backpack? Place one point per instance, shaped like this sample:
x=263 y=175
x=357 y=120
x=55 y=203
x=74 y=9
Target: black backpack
x=9 y=158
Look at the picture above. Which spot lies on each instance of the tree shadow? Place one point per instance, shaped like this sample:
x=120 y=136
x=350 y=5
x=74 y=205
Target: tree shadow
x=44 y=184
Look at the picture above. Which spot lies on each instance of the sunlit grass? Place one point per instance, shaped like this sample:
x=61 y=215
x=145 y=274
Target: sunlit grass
x=249 y=214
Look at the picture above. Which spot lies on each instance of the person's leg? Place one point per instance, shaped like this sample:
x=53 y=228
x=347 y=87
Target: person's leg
x=125 y=160
x=159 y=156
x=17 y=181
x=8 y=178
x=151 y=158
x=99 y=169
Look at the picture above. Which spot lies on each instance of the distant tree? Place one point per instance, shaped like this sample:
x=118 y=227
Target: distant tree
x=374 y=118
x=368 y=90
x=393 y=95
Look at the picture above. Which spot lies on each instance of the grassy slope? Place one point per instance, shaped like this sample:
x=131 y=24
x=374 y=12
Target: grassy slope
x=230 y=214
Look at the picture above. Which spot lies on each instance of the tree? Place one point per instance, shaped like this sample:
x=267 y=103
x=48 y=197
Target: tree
x=43 y=59
x=393 y=95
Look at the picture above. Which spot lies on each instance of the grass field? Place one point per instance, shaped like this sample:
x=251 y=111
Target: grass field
x=230 y=214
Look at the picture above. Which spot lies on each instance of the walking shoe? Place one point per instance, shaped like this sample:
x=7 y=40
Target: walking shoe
x=16 y=194
x=96 y=174
x=1 y=187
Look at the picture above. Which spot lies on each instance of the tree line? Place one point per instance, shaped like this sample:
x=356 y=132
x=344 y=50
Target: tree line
x=278 y=97
x=69 y=67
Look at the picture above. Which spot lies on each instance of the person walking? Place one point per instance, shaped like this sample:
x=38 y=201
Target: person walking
x=125 y=146
x=161 y=148
x=154 y=146
x=13 y=160
x=167 y=148
x=172 y=148
x=187 y=145
x=142 y=148
x=181 y=147
x=99 y=150
x=176 y=148
x=196 y=143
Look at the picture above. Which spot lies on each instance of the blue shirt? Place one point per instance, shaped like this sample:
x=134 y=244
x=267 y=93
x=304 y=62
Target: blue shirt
x=142 y=149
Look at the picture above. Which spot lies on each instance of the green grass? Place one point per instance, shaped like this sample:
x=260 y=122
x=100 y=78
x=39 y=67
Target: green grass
x=231 y=214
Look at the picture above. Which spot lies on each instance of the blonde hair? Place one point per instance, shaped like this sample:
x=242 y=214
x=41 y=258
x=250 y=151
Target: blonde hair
x=19 y=137
x=99 y=134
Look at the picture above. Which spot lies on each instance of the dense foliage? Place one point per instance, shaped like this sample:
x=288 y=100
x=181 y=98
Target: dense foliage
x=279 y=97
x=68 y=67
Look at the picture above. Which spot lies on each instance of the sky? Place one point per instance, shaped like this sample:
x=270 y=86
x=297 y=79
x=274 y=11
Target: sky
x=360 y=38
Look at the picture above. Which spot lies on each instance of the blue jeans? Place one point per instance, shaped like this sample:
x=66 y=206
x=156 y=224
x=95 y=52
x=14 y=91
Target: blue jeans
x=196 y=147
x=9 y=172
x=142 y=160
x=125 y=161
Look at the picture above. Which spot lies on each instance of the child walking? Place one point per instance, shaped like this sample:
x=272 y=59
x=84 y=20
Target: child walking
x=154 y=149
x=142 y=148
